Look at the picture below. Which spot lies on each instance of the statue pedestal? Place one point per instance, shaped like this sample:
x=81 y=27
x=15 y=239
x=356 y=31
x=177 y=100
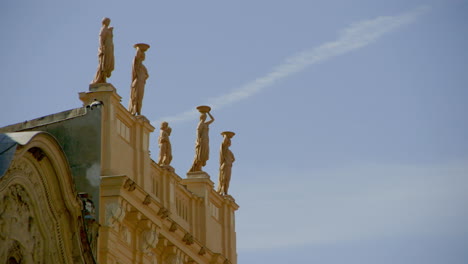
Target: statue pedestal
x=197 y=175
x=199 y=183
x=101 y=87
x=228 y=197
x=168 y=168
x=104 y=92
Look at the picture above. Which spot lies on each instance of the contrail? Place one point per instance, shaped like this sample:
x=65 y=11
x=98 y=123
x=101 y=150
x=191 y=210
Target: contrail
x=356 y=36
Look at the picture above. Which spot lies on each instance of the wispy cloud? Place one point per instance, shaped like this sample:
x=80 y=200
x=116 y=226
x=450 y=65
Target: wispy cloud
x=356 y=36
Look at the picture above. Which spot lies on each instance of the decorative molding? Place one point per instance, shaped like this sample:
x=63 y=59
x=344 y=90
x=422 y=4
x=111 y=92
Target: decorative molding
x=147 y=200
x=51 y=225
x=188 y=239
x=115 y=213
x=202 y=251
x=163 y=213
x=19 y=167
x=149 y=240
x=173 y=227
x=130 y=185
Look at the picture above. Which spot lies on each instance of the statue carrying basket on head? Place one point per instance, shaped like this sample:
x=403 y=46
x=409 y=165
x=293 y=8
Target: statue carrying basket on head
x=139 y=77
x=226 y=158
x=202 y=144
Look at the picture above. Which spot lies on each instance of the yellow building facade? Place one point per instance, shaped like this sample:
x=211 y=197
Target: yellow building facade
x=132 y=209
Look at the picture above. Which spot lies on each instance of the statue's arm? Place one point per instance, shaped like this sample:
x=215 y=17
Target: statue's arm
x=212 y=119
x=134 y=69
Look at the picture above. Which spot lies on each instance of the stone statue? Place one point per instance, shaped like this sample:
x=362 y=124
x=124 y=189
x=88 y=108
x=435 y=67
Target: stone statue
x=139 y=76
x=226 y=158
x=165 y=148
x=105 y=53
x=202 y=144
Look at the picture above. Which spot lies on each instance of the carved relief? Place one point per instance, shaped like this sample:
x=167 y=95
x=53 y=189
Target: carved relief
x=20 y=167
x=36 y=223
x=147 y=200
x=23 y=228
x=173 y=227
x=163 y=213
x=188 y=239
x=175 y=255
x=149 y=240
x=130 y=185
x=125 y=235
x=114 y=213
x=19 y=234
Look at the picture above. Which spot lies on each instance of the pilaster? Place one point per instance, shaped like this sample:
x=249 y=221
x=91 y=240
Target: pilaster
x=106 y=94
x=229 y=224
x=143 y=129
x=200 y=184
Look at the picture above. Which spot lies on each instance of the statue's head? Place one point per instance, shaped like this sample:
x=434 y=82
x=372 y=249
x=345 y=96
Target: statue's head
x=106 y=21
x=164 y=125
x=203 y=117
x=140 y=55
x=227 y=141
x=141 y=49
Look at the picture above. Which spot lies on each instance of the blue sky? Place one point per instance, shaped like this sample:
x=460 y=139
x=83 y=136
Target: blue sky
x=350 y=116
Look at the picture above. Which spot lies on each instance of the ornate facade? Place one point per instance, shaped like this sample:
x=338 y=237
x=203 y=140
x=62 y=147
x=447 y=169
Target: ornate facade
x=85 y=190
x=40 y=212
